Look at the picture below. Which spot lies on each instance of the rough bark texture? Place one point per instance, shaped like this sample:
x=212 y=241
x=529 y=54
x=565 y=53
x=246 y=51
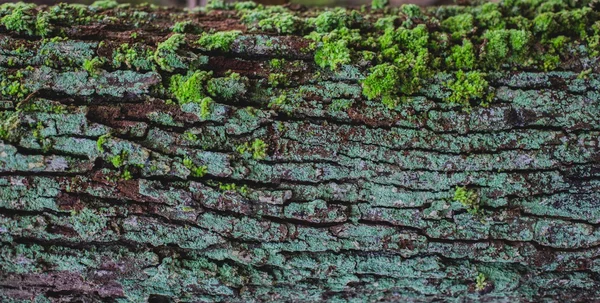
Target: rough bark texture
x=115 y=186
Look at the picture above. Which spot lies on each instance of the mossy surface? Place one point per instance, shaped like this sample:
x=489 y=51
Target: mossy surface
x=250 y=153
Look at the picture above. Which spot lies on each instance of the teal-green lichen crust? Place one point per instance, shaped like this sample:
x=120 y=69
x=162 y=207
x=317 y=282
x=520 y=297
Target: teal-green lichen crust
x=250 y=153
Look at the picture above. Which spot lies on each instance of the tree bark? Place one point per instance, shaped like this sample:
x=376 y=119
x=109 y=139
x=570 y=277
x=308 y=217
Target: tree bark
x=117 y=187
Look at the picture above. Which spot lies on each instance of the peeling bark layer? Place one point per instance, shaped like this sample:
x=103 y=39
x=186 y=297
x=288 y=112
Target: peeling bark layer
x=115 y=188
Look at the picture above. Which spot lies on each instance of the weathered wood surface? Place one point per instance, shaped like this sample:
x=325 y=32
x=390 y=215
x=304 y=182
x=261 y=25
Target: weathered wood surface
x=121 y=181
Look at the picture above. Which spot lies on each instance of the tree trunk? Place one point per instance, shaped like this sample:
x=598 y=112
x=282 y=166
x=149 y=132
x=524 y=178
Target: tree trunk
x=142 y=165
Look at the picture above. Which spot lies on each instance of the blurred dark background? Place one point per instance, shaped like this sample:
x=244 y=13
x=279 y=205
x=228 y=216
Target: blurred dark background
x=184 y=3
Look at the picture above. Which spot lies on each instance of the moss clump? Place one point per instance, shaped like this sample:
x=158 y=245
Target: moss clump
x=104 y=4
x=469 y=86
x=277 y=79
x=480 y=282
x=334 y=50
x=383 y=82
x=101 y=141
x=195 y=170
x=92 y=66
x=133 y=57
x=228 y=87
x=276 y=63
x=219 y=40
x=9 y=121
x=180 y=27
x=407 y=51
x=459 y=26
x=283 y=23
x=257 y=149
x=189 y=88
x=330 y=20
x=118 y=160
x=379 y=4
x=205 y=107
x=165 y=55
x=468 y=198
x=23 y=18
x=462 y=56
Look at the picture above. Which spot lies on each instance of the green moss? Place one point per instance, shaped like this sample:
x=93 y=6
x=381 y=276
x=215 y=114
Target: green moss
x=489 y=16
x=9 y=121
x=496 y=49
x=469 y=86
x=165 y=55
x=189 y=88
x=468 y=198
x=459 y=25
x=283 y=23
x=104 y=4
x=277 y=79
x=462 y=56
x=480 y=282
x=334 y=50
x=180 y=27
x=379 y=4
x=118 y=160
x=330 y=20
x=133 y=57
x=228 y=88
x=92 y=66
x=101 y=140
x=219 y=40
x=205 y=107
x=279 y=101
x=411 y=10
x=195 y=171
x=382 y=82
x=276 y=63
x=257 y=149
x=544 y=23
x=22 y=18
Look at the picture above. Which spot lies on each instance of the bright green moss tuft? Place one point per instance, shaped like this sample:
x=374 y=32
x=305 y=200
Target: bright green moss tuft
x=101 y=141
x=205 y=107
x=277 y=79
x=257 y=149
x=165 y=55
x=379 y=4
x=411 y=10
x=459 y=25
x=468 y=198
x=104 y=4
x=462 y=56
x=468 y=86
x=330 y=20
x=23 y=19
x=383 y=82
x=283 y=23
x=92 y=66
x=189 y=88
x=180 y=27
x=228 y=87
x=219 y=40
x=195 y=170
